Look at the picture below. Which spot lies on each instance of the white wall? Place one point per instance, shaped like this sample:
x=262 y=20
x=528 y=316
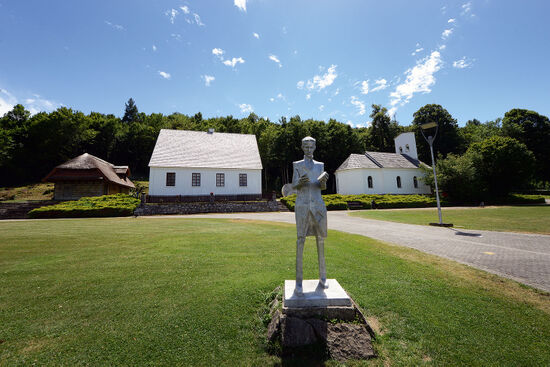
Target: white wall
x=405 y=143
x=157 y=181
x=354 y=181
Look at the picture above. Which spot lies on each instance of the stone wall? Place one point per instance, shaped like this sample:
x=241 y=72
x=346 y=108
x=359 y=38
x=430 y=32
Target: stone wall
x=215 y=207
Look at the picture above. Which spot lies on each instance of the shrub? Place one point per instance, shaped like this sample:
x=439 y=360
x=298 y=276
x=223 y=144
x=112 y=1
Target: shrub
x=118 y=205
x=339 y=202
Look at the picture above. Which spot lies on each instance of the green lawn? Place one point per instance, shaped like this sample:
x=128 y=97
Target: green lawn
x=533 y=219
x=148 y=291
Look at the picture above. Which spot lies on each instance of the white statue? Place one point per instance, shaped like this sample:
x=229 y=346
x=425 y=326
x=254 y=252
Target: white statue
x=308 y=179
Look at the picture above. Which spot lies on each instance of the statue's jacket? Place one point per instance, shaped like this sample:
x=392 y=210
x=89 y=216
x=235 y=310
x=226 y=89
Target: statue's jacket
x=310 y=209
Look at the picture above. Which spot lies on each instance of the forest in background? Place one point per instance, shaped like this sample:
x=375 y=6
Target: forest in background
x=30 y=146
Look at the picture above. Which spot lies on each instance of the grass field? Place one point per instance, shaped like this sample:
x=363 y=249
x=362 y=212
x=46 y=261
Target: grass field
x=147 y=291
x=532 y=219
x=38 y=191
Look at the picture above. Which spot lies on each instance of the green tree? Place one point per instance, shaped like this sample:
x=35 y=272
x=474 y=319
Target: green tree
x=475 y=131
x=448 y=139
x=533 y=130
x=131 y=113
x=381 y=137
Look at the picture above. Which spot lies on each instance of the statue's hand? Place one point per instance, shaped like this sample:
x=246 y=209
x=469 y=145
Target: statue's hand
x=304 y=180
x=323 y=178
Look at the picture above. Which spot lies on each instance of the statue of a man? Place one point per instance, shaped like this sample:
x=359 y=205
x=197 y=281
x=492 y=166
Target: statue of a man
x=308 y=179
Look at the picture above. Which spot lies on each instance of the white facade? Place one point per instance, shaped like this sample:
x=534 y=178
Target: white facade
x=406 y=144
x=384 y=181
x=183 y=184
x=379 y=173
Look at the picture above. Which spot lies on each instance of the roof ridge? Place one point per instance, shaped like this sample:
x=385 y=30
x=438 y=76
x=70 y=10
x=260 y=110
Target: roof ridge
x=373 y=160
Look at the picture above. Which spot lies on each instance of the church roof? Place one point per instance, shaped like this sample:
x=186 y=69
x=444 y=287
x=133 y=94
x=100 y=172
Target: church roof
x=199 y=149
x=379 y=160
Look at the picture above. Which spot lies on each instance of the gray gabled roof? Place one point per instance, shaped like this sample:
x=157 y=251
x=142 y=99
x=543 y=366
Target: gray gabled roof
x=199 y=149
x=379 y=160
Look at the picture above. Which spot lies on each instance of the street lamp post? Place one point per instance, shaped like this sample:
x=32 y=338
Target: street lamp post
x=430 y=139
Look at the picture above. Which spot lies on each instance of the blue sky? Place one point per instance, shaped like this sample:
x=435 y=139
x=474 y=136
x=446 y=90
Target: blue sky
x=317 y=59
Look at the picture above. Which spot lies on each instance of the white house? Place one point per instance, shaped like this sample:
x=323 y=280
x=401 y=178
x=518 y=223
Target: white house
x=383 y=173
x=199 y=163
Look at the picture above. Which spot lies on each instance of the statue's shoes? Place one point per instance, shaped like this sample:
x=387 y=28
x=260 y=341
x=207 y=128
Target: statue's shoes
x=323 y=283
x=299 y=290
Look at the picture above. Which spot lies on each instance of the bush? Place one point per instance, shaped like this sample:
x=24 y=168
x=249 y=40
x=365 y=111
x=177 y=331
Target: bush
x=521 y=199
x=339 y=202
x=118 y=205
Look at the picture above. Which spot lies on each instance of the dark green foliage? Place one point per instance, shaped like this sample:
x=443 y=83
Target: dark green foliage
x=118 y=205
x=131 y=113
x=488 y=171
x=533 y=130
x=502 y=164
x=448 y=139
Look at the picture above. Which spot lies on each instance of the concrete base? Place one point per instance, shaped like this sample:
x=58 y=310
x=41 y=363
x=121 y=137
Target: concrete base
x=315 y=296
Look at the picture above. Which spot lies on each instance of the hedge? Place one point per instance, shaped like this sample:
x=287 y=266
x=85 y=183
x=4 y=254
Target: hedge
x=118 y=205
x=339 y=202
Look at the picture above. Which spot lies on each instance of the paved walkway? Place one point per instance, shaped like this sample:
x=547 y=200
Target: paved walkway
x=522 y=257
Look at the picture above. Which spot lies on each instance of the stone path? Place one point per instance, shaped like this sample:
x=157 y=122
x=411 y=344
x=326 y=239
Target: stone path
x=522 y=257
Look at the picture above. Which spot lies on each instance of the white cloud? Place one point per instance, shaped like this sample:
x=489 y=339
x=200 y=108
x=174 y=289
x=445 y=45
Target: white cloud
x=34 y=105
x=451 y=20
x=280 y=96
x=246 y=108
x=418 y=79
x=321 y=108
x=234 y=61
x=118 y=27
x=256 y=35
x=300 y=84
x=185 y=9
x=359 y=104
x=164 y=74
x=208 y=79
x=442 y=47
x=320 y=82
x=462 y=63
x=336 y=92
x=380 y=84
x=308 y=96
x=275 y=59
x=7 y=101
x=172 y=13
x=272 y=99
x=176 y=36
x=154 y=48
x=197 y=19
x=417 y=50
x=241 y=4
x=365 y=87
x=467 y=9
x=446 y=33
x=218 y=52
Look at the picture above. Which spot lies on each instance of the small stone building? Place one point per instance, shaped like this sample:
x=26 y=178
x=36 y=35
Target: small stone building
x=87 y=175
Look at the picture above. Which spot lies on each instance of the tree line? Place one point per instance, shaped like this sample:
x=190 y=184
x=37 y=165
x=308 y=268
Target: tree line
x=30 y=146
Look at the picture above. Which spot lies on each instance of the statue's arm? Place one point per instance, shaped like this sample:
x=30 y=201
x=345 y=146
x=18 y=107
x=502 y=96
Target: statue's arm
x=323 y=178
x=295 y=177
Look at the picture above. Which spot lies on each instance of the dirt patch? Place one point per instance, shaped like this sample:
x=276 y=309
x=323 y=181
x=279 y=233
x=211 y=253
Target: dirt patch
x=35 y=345
x=375 y=325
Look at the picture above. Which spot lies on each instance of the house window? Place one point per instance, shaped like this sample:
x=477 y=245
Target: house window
x=407 y=147
x=220 y=179
x=242 y=179
x=415 y=182
x=195 y=179
x=369 y=182
x=401 y=150
x=398 y=182
x=170 y=178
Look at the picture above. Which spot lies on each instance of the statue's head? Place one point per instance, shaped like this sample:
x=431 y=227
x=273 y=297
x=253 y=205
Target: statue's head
x=308 y=146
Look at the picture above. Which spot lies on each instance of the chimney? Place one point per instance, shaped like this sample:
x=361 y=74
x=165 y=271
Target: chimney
x=211 y=130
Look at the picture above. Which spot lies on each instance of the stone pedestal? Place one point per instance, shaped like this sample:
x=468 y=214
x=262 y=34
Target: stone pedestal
x=315 y=296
